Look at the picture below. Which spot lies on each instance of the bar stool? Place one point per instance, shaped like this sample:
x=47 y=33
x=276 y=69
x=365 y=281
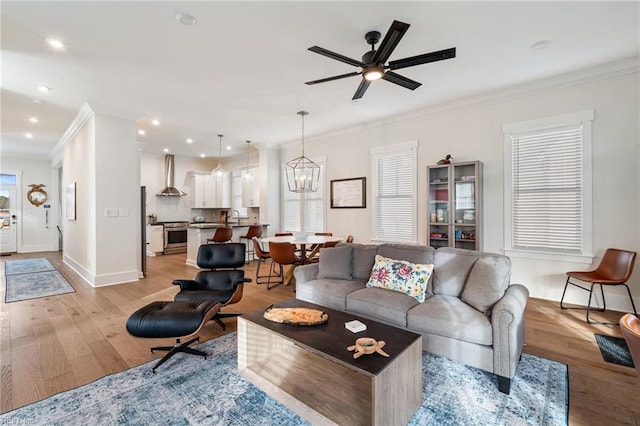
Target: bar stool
x=221 y=235
x=253 y=231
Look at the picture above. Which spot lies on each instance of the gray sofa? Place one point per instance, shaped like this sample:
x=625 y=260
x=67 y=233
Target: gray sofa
x=471 y=313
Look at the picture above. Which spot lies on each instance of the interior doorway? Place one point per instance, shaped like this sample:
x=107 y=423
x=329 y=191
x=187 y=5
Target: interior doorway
x=8 y=214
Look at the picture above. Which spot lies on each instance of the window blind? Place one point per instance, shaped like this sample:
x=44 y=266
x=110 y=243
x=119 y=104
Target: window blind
x=547 y=190
x=394 y=205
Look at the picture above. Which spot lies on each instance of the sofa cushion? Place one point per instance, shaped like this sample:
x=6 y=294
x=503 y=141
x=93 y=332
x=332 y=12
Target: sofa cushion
x=400 y=275
x=328 y=292
x=410 y=253
x=487 y=282
x=452 y=267
x=363 y=256
x=335 y=262
x=383 y=305
x=449 y=316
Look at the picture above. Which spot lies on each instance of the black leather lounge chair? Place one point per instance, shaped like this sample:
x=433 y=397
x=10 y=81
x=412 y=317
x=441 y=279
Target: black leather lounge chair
x=221 y=281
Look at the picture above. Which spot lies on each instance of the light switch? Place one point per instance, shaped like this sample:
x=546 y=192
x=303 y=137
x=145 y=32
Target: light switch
x=111 y=212
x=123 y=212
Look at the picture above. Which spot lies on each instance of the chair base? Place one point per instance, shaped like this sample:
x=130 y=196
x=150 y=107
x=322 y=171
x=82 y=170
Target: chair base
x=220 y=315
x=178 y=347
x=604 y=303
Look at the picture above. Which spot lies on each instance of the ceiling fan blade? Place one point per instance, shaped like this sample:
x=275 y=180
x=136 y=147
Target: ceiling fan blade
x=423 y=59
x=364 y=85
x=400 y=80
x=390 y=41
x=335 y=77
x=336 y=56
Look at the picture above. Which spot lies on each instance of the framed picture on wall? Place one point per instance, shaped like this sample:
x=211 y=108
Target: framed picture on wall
x=349 y=193
x=71 y=201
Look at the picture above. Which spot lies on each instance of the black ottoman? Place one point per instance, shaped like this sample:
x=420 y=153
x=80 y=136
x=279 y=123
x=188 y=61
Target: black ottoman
x=172 y=319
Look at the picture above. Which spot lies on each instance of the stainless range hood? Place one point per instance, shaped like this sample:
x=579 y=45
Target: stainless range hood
x=170 y=190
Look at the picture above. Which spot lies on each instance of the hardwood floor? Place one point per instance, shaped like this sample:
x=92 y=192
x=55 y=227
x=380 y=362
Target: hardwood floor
x=52 y=344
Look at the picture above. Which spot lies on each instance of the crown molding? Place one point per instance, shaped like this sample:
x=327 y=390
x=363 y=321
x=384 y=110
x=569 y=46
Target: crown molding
x=84 y=114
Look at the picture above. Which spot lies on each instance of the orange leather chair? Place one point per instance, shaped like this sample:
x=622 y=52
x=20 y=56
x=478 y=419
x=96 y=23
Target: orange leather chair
x=630 y=326
x=614 y=269
x=263 y=256
x=253 y=231
x=222 y=234
x=284 y=254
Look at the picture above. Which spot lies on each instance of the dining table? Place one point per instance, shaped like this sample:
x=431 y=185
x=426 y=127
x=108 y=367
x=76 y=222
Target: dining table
x=304 y=242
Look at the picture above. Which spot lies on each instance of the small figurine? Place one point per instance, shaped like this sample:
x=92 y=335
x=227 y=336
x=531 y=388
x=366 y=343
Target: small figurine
x=446 y=160
x=366 y=346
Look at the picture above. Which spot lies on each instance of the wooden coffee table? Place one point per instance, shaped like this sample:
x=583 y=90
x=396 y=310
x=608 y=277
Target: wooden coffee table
x=308 y=368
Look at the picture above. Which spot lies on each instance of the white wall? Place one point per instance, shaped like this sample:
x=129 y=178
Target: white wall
x=36 y=235
x=472 y=130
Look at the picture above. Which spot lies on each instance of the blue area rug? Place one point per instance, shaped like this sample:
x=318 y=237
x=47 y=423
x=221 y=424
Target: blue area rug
x=27 y=266
x=189 y=390
x=35 y=285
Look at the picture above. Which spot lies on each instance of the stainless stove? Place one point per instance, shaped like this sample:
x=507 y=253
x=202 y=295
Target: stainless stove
x=175 y=237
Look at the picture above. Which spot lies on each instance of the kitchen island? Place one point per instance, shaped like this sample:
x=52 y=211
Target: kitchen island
x=197 y=234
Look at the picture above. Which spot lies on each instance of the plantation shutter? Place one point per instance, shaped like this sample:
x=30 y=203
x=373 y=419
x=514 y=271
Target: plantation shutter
x=394 y=203
x=547 y=175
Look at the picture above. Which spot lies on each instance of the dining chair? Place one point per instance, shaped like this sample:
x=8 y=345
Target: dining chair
x=283 y=234
x=284 y=254
x=349 y=239
x=263 y=256
x=222 y=234
x=614 y=269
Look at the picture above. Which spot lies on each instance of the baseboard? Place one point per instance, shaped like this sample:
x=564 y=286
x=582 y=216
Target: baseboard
x=100 y=280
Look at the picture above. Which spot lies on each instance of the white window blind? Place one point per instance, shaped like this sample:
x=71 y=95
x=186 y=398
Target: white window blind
x=311 y=204
x=547 y=190
x=394 y=176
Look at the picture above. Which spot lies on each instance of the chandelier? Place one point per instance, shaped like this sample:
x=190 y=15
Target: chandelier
x=219 y=171
x=302 y=174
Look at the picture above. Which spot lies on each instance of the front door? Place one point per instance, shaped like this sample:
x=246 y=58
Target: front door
x=8 y=219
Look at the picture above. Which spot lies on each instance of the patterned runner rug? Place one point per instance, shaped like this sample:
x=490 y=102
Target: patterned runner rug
x=32 y=279
x=27 y=266
x=189 y=390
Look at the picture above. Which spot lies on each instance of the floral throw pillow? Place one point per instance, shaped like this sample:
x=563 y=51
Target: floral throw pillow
x=399 y=275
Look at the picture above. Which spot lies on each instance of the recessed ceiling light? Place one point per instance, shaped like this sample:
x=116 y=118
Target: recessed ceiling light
x=55 y=43
x=141 y=132
x=185 y=18
x=189 y=140
x=228 y=147
x=166 y=150
x=540 y=44
x=202 y=155
x=155 y=122
x=33 y=120
x=44 y=89
x=28 y=135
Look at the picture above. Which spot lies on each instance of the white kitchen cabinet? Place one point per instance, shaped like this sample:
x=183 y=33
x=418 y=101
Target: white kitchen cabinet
x=210 y=191
x=251 y=191
x=155 y=240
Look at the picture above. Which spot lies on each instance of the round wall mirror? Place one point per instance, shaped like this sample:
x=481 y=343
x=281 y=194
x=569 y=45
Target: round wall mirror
x=36 y=195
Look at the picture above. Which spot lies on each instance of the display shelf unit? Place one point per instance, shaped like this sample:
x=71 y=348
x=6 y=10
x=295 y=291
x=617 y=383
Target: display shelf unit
x=454 y=205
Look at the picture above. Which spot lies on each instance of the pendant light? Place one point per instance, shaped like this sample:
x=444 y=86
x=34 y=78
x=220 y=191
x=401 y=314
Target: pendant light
x=302 y=174
x=247 y=173
x=219 y=171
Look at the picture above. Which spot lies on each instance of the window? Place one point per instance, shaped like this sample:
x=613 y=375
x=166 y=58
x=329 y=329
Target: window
x=548 y=187
x=394 y=191
x=309 y=204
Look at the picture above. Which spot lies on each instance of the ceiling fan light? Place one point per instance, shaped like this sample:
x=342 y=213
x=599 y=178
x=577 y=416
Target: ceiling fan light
x=373 y=74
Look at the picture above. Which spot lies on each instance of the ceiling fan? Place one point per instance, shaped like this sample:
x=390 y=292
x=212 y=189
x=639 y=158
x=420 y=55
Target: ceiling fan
x=373 y=62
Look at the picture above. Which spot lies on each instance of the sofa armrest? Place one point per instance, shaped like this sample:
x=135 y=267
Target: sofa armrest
x=306 y=273
x=507 y=321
